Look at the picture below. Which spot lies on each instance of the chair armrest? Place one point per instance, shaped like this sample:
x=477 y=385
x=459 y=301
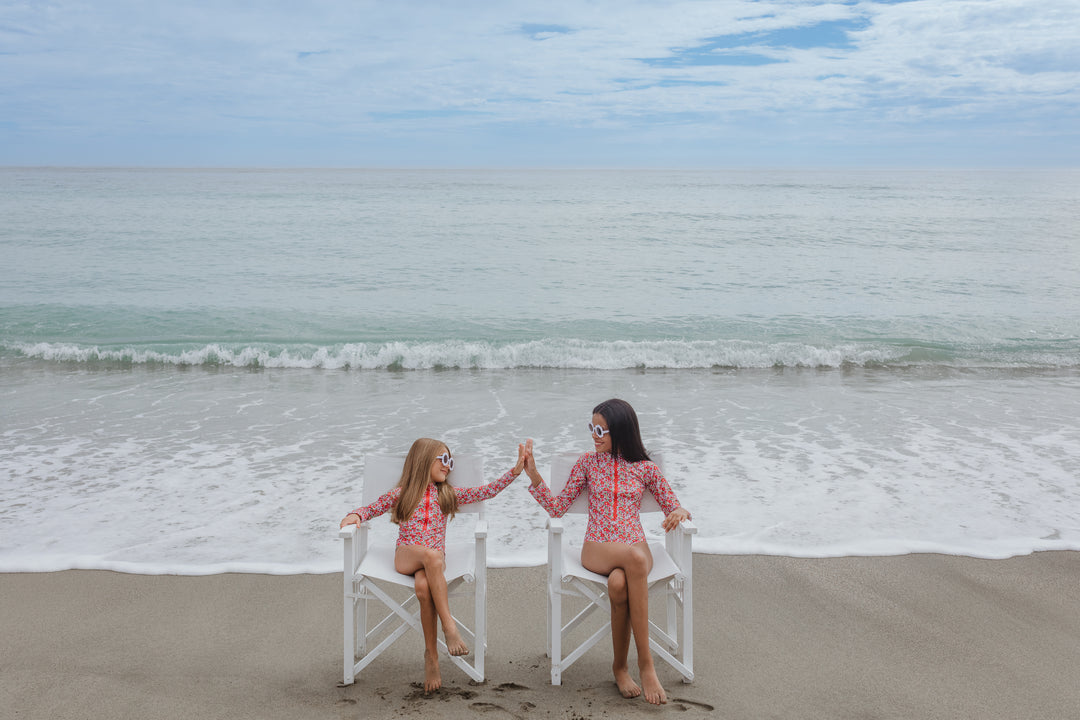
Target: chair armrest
x=555 y=526
x=356 y=541
x=680 y=544
x=481 y=530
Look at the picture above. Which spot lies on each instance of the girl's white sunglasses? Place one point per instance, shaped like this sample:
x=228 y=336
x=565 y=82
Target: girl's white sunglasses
x=446 y=460
x=598 y=431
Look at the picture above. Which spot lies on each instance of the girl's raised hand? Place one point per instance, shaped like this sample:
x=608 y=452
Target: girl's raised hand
x=522 y=459
x=350 y=519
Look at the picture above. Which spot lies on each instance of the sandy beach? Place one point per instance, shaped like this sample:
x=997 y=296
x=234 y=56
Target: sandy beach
x=916 y=636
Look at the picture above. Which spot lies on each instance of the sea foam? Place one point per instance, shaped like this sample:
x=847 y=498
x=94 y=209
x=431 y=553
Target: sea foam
x=554 y=353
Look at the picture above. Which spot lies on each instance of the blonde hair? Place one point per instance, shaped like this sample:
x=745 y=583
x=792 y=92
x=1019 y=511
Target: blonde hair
x=415 y=477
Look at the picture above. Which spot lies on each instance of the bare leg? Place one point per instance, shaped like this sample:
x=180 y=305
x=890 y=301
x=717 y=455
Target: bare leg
x=620 y=633
x=635 y=561
x=429 y=621
x=408 y=559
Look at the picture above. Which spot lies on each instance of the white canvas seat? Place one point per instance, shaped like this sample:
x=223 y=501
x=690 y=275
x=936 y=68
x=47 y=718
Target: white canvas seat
x=671 y=580
x=369 y=567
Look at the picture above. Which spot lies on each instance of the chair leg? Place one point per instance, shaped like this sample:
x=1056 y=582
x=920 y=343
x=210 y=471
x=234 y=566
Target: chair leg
x=555 y=632
x=349 y=655
x=686 y=647
x=480 y=608
x=547 y=618
x=349 y=608
x=554 y=619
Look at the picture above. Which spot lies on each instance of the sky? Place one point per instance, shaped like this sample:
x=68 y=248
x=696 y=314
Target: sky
x=508 y=83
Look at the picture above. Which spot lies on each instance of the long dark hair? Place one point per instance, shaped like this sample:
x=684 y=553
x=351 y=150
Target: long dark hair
x=625 y=432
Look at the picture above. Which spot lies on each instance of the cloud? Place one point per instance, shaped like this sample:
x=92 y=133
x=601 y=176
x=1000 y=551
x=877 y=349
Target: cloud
x=693 y=77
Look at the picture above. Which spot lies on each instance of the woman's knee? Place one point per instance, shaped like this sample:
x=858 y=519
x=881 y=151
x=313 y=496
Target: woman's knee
x=617 y=586
x=637 y=561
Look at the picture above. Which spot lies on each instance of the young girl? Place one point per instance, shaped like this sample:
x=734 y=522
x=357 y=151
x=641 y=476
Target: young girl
x=616 y=475
x=421 y=505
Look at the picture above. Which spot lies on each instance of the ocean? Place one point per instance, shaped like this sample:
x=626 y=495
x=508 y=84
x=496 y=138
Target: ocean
x=194 y=363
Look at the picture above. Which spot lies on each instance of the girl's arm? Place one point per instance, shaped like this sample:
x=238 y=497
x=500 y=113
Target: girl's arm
x=384 y=504
x=486 y=492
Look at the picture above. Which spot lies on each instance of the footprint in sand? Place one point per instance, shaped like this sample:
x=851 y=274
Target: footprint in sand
x=692 y=703
x=485 y=708
x=443 y=694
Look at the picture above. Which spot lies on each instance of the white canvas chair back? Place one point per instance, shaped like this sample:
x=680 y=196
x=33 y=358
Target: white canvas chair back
x=671 y=578
x=369 y=567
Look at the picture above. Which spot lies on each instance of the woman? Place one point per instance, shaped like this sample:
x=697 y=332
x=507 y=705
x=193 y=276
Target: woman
x=616 y=475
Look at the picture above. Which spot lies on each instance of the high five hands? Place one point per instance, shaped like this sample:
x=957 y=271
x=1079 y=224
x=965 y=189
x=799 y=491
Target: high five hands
x=528 y=462
x=522 y=457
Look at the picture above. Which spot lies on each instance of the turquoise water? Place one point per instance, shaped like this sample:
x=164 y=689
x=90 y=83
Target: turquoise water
x=832 y=362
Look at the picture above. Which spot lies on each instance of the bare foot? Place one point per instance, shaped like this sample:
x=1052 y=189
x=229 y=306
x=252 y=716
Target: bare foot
x=432 y=676
x=627 y=686
x=454 y=644
x=654 y=691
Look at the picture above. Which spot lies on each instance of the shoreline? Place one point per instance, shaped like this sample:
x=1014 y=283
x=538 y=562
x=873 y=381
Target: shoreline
x=1007 y=550
x=909 y=636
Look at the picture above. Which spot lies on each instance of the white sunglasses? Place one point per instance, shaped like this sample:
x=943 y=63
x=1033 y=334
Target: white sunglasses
x=446 y=460
x=598 y=431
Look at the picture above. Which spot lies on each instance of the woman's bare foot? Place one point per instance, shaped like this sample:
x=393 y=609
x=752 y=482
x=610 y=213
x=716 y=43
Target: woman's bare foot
x=454 y=644
x=654 y=691
x=627 y=686
x=432 y=676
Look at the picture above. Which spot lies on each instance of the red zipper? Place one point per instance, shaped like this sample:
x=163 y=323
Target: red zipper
x=615 y=497
x=427 y=507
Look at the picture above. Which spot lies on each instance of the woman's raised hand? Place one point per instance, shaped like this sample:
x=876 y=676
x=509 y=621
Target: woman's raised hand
x=530 y=464
x=675 y=517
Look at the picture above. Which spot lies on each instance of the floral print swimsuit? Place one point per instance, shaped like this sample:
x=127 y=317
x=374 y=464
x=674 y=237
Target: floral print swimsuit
x=615 y=487
x=427 y=525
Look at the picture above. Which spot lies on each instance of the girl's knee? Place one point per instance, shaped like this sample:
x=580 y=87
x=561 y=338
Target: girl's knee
x=420 y=584
x=433 y=558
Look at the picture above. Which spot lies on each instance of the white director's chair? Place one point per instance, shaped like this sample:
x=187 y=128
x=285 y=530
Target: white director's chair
x=368 y=568
x=671 y=578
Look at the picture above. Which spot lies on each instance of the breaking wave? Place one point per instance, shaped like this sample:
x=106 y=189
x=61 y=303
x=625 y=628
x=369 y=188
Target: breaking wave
x=554 y=353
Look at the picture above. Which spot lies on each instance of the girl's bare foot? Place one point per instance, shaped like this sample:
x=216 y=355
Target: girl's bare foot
x=654 y=691
x=454 y=644
x=627 y=686
x=432 y=676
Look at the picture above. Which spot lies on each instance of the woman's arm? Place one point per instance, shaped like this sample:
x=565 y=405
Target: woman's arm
x=557 y=506
x=665 y=496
